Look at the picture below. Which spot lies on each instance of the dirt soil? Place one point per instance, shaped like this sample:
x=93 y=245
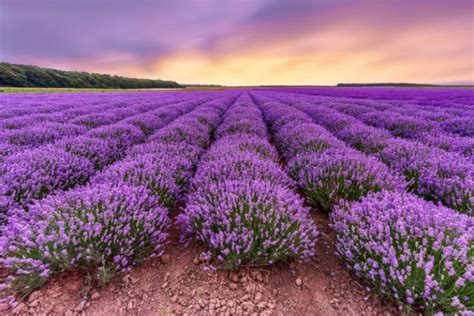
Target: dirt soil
x=178 y=284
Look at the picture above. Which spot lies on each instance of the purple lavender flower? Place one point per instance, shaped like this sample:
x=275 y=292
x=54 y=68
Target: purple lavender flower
x=102 y=227
x=100 y=152
x=406 y=247
x=33 y=174
x=254 y=222
x=334 y=175
x=164 y=175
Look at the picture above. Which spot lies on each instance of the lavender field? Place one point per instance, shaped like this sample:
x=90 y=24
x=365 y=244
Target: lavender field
x=99 y=183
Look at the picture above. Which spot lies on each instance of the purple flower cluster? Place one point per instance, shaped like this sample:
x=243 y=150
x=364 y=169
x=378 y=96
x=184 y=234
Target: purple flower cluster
x=326 y=170
x=241 y=204
x=455 y=144
x=101 y=228
x=335 y=175
x=41 y=134
x=35 y=173
x=31 y=174
x=432 y=173
x=459 y=125
x=109 y=224
x=102 y=146
x=87 y=182
x=404 y=120
x=165 y=163
x=410 y=249
x=162 y=174
x=124 y=135
x=100 y=152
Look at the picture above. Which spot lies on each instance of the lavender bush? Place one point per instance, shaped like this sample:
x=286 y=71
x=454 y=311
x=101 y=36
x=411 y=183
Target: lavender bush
x=241 y=204
x=102 y=229
x=125 y=135
x=436 y=175
x=100 y=152
x=410 y=250
x=87 y=181
x=249 y=223
x=334 y=175
x=230 y=145
x=35 y=173
x=240 y=165
x=164 y=175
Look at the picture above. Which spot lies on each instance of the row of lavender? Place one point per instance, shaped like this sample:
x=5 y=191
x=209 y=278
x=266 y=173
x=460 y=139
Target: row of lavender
x=406 y=248
x=441 y=98
x=62 y=120
x=436 y=175
x=34 y=173
x=447 y=128
x=242 y=204
x=449 y=131
x=117 y=219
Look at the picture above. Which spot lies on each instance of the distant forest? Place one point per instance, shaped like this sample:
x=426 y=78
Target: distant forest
x=12 y=75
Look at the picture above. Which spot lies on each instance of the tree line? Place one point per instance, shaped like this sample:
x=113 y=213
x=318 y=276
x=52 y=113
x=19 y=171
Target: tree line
x=13 y=75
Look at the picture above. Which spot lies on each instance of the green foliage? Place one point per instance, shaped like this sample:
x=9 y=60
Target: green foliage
x=12 y=75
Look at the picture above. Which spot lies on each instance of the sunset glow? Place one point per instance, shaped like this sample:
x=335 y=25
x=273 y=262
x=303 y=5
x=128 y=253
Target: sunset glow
x=246 y=42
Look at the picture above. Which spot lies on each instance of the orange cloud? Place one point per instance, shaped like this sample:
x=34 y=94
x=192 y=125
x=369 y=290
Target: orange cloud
x=343 y=53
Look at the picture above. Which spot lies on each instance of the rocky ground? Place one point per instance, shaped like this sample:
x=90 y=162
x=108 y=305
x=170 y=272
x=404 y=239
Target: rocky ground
x=178 y=284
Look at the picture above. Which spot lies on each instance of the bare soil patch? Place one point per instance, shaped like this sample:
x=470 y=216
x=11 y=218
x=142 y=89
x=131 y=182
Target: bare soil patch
x=178 y=284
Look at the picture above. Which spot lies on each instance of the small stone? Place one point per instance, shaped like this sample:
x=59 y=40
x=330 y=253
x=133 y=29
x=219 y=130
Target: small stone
x=145 y=297
x=258 y=297
x=233 y=286
x=134 y=280
x=250 y=307
x=174 y=299
x=298 y=282
x=48 y=309
x=275 y=292
x=34 y=296
x=69 y=313
x=254 y=274
x=4 y=306
x=166 y=258
x=34 y=303
x=19 y=308
x=261 y=305
x=235 y=278
x=130 y=306
x=95 y=296
x=126 y=278
x=164 y=285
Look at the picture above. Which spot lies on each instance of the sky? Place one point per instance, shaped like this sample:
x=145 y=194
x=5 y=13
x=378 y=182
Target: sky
x=240 y=42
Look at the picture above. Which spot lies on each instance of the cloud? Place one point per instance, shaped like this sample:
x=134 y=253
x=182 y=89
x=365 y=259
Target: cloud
x=245 y=42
